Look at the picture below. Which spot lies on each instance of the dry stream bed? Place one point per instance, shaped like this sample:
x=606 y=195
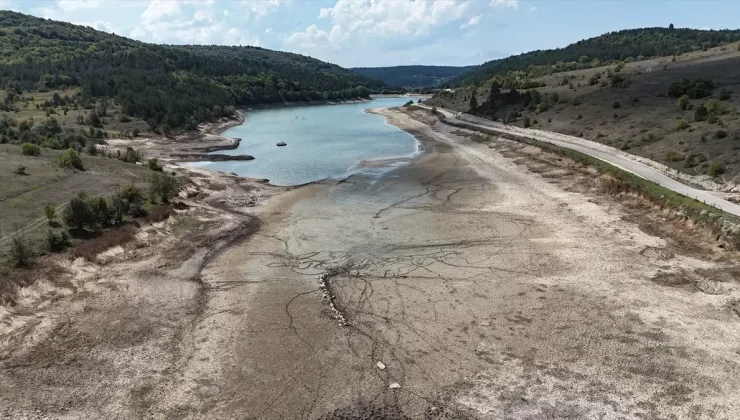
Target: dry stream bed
x=489 y=280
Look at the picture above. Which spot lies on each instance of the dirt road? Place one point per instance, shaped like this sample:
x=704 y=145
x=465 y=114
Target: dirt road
x=461 y=286
x=640 y=166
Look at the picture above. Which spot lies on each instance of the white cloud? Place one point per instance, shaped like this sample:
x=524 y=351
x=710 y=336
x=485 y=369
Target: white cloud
x=472 y=22
x=158 y=9
x=383 y=18
x=72 y=5
x=261 y=8
x=189 y=22
x=312 y=37
x=137 y=33
x=100 y=25
x=514 y=4
x=532 y=8
x=268 y=30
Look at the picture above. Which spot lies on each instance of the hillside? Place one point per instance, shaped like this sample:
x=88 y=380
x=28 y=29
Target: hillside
x=411 y=76
x=628 y=45
x=638 y=107
x=164 y=85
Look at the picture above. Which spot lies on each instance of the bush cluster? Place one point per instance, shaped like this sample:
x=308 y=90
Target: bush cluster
x=70 y=159
x=694 y=89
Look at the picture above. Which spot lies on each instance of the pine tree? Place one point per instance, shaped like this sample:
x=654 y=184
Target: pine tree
x=473 y=103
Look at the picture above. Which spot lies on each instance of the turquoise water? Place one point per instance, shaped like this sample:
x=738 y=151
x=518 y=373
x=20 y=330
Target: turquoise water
x=324 y=141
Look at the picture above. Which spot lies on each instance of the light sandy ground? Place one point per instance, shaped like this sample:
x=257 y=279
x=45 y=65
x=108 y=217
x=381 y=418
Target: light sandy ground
x=485 y=291
x=707 y=192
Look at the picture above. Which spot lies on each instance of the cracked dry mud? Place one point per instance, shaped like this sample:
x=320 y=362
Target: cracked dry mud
x=486 y=291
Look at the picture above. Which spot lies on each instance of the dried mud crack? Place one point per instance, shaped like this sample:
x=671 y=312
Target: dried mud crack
x=480 y=281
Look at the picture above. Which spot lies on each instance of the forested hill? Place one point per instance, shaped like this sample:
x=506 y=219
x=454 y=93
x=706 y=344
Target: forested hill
x=163 y=84
x=411 y=76
x=594 y=52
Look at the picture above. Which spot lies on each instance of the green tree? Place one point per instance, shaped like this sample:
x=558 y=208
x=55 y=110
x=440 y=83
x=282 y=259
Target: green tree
x=683 y=102
x=473 y=105
x=162 y=186
x=57 y=242
x=77 y=214
x=51 y=213
x=21 y=252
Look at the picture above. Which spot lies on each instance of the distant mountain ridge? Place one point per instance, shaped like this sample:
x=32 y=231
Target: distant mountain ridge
x=412 y=76
x=593 y=52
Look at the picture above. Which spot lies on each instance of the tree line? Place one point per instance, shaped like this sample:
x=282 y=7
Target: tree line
x=626 y=45
x=164 y=84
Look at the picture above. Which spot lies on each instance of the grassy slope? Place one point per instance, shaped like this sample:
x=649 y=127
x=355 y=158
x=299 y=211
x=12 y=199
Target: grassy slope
x=646 y=120
x=23 y=197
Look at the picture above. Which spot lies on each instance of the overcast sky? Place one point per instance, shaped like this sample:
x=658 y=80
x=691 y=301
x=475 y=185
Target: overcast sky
x=382 y=32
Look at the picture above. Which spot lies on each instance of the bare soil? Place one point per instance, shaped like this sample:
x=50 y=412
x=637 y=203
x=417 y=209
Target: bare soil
x=491 y=281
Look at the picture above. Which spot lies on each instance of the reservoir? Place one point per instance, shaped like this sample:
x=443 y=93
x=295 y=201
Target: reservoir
x=322 y=141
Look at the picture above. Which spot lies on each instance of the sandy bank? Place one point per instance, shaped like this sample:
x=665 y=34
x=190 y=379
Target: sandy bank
x=485 y=289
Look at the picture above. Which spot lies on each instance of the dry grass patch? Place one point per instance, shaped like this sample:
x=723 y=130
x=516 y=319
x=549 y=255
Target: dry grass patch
x=90 y=249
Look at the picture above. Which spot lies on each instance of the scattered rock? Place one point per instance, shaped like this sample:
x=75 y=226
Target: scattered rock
x=380 y=365
x=282 y=143
x=394 y=385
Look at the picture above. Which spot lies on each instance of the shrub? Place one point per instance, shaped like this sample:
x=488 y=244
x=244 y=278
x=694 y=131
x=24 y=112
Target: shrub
x=30 y=149
x=716 y=107
x=594 y=79
x=162 y=186
x=724 y=95
x=683 y=124
x=408 y=104
x=616 y=105
x=57 y=241
x=700 y=113
x=20 y=250
x=91 y=148
x=124 y=118
x=131 y=155
x=154 y=165
x=526 y=122
x=78 y=214
x=70 y=159
x=50 y=212
x=100 y=211
x=542 y=107
x=620 y=81
x=715 y=169
x=20 y=170
x=683 y=102
x=672 y=155
x=720 y=134
x=712 y=119
x=434 y=109
x=695 y=89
